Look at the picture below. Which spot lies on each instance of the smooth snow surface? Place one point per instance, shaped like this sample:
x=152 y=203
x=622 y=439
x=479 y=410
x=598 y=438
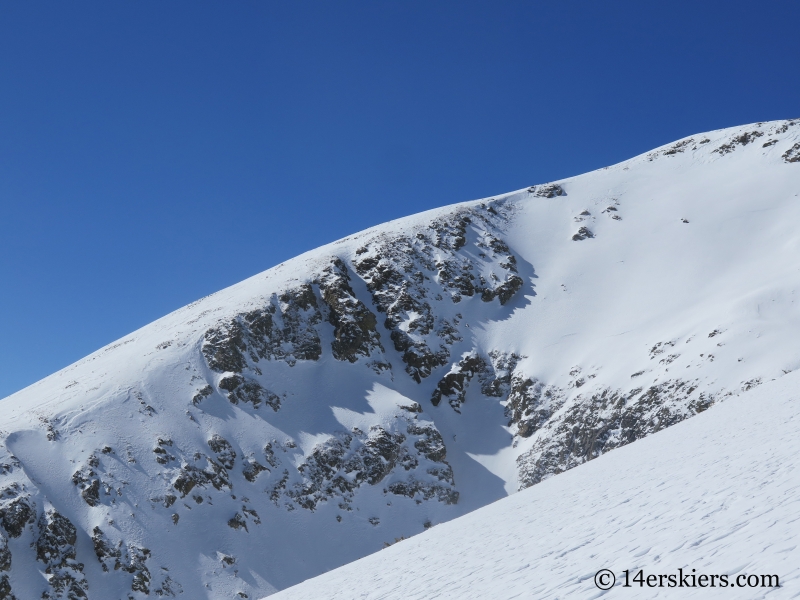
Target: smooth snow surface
x=719 y=493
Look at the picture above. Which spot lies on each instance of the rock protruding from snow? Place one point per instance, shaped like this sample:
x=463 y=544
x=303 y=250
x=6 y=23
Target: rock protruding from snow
x=55 y=547
x=458 y=256
x=355 y=326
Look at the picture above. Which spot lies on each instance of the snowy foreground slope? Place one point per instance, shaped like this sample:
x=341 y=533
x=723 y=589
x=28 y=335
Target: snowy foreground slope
x=719 y=494
x=404 y=376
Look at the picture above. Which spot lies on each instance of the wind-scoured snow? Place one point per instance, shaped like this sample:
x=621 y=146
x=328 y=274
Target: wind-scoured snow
x=405 y=376
x=715 y=495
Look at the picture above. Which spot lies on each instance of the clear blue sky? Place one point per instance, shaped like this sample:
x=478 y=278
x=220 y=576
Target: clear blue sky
x=153 y=152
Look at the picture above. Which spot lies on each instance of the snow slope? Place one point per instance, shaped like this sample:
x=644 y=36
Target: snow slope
x=719 y=494
x=404 y=376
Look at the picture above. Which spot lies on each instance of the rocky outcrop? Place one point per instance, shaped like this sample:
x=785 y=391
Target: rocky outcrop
x=282 y=330
x=202 y=471
x=107 y=553
x=162 y=451
x=739 y=140
x=496 y=382
x=493 y=371
x=589 y=426
x=252 y=468
x=249 y=391
x=55 y=547
x=675 y=149
x=226 y=455
x=87 y=481
x=456 y=257
x=201 y=394
x=5 y=567
x=336 y=468
x=355 y=326
x=127 y=558
x=530 y=404
x=453 y=386
x=549 y=190
x=285 y=329
x=584 y=233
x=792 y=155
x=17 y=510
x=5 y=555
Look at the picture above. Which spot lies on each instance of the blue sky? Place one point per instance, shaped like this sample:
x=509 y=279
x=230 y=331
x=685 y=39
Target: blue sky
x=154 y=152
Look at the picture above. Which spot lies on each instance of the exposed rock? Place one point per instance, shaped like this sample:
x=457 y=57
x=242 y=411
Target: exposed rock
x=88 y=482
x=223 y=449
x=583 y=234
x=282 y=330
x=238 y=522
x=504 y=291
x=674 y=149
x=55 y=547
x=531 y=404
x=269 y=454
x=107 y=553
x=739 y=140
x=5 y=565
x=137 y=557
x=347 y=460
x=168 y=588
x=244 y=390
x=226 y=559
x=251 y=469
x=609 y=419
x=453 y=386
x=191 y=476
x=355 y=326
x=496 y=382
x=128 y=558
x=550 y=190
x=251 y=514
x=404 y=272
x=16 y=510
x=201 y=394
x=163 y=457
x=5 y=555
x=429 y=441
x=413 y=488
x=5 y=589
x=792 y=155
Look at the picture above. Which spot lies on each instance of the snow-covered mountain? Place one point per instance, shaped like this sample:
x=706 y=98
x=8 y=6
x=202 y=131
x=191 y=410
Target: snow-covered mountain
x=717 y=496
x=404 y=376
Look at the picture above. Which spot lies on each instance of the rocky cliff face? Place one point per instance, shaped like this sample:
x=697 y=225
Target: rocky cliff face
x=397 y=378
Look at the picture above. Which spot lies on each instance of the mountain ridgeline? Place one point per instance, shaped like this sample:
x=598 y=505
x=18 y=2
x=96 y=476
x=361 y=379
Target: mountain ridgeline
x=403 y=376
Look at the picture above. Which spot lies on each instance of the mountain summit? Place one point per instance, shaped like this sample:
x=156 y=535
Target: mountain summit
x=405 y=375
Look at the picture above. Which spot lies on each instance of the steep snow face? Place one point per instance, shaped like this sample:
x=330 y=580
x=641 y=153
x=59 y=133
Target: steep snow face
x=716 y=495
x=404 y=376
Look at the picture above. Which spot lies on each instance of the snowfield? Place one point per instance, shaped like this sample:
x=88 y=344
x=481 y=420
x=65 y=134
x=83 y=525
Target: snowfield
x=719 y=493
x=414 y=372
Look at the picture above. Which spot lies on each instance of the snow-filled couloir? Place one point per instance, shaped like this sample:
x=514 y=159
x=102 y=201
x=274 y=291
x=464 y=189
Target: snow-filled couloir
x=404 y=376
